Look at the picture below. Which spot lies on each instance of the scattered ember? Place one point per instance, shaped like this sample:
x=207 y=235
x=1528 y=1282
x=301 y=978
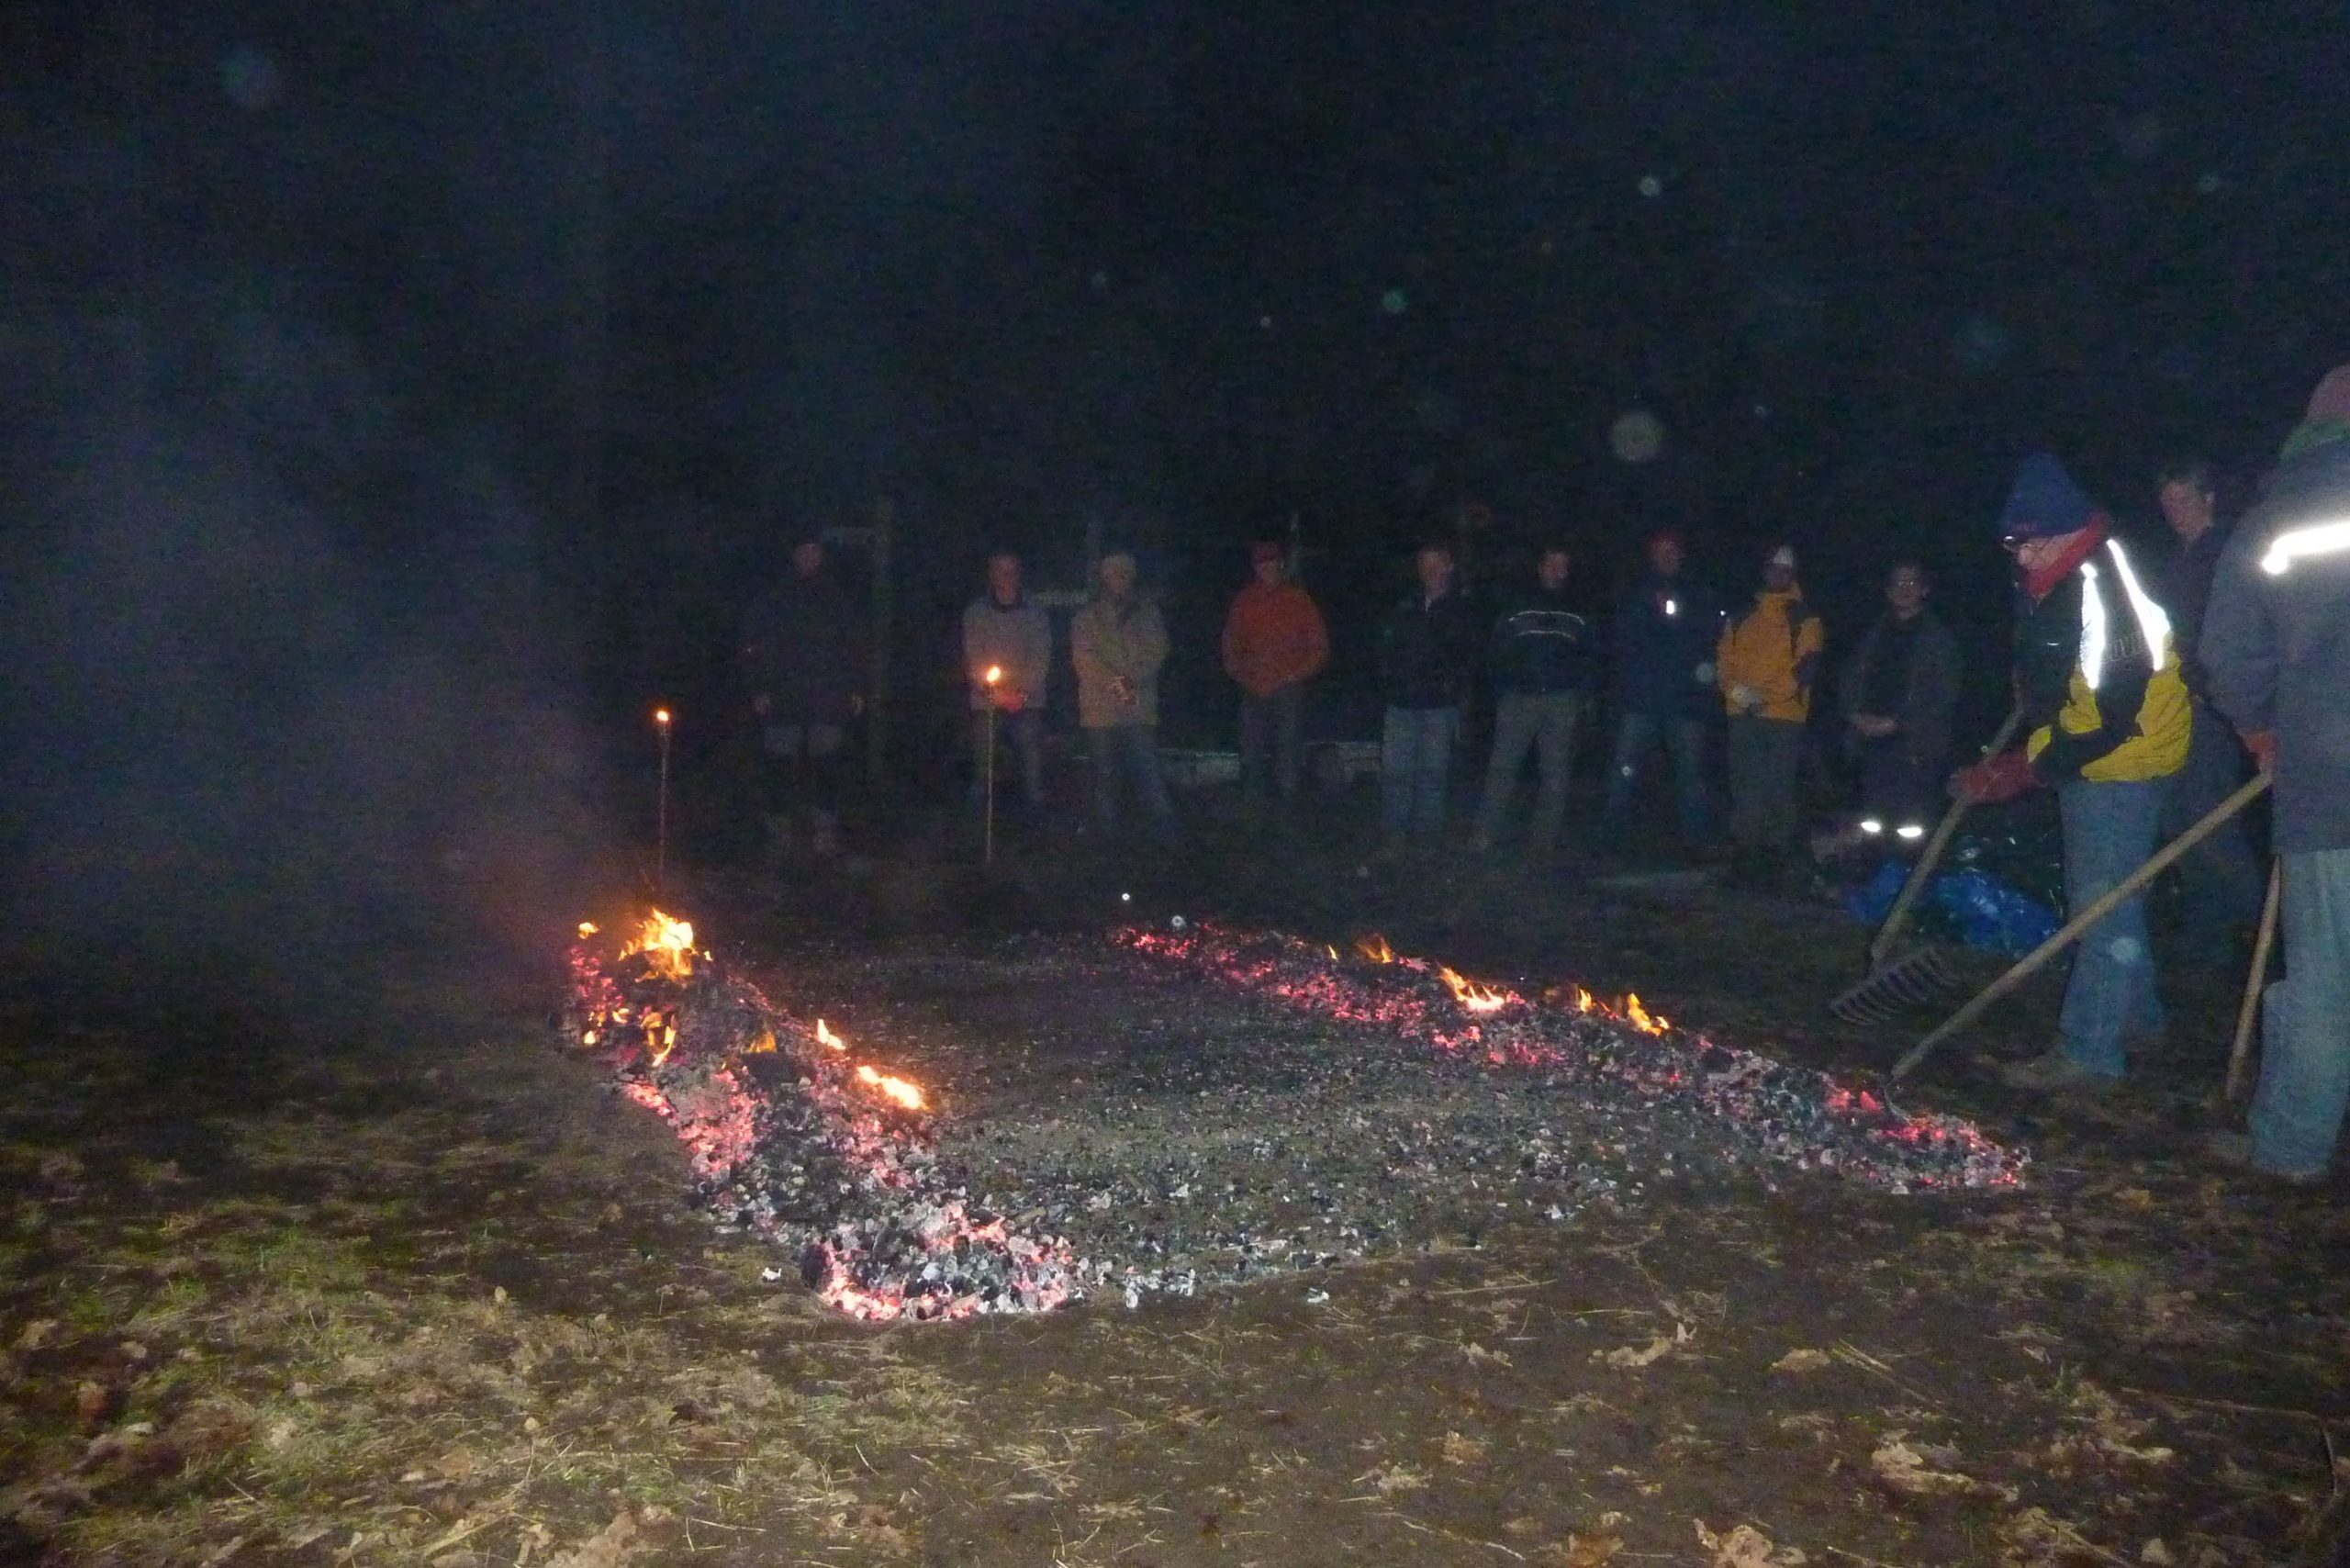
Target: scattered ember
x=1140 y=1133
x=1786 y=1114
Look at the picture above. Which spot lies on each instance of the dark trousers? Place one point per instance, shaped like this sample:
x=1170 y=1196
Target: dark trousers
x=1899 y=791
x=1023 y=733
x=1128 y=752
x=2220 y=882
x=1684 y=740
x=799 y=772
x=1269 y=741
x=1544 y=724
x=1766 y=773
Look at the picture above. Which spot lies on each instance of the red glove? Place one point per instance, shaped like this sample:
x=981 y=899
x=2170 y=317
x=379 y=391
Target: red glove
x=1993 y=780
x=2262 y=743
x=1009 y=699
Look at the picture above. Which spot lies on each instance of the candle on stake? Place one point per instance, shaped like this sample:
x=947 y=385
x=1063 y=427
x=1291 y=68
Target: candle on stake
x=661 y=806
x=993 y=676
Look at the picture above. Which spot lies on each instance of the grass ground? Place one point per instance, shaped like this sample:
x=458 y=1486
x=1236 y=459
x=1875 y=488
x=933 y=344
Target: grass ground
x=418 y=1290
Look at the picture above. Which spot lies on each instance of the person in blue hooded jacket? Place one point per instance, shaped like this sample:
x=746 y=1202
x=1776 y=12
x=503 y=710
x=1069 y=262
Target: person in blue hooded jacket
x=1664 y=637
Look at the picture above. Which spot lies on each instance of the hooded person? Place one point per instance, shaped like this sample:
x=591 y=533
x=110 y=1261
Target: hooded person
x=1766 y=660
x=1274 y=641
x=2106 y=717
x=2276 y=649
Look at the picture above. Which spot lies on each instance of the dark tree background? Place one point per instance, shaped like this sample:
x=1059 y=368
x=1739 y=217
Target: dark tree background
x=547 y=321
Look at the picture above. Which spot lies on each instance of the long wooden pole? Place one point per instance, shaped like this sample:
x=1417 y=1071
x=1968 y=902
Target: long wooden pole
x=2070 y=932
x=2240 y=1058
x=1897 y=917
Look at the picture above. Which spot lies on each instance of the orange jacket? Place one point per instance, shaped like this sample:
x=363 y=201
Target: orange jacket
x=1274 y=637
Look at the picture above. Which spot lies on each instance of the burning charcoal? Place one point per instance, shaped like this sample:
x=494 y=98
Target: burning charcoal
x=1422 y=1105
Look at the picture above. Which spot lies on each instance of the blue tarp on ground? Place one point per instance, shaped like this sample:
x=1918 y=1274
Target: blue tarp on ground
x=1971 y=907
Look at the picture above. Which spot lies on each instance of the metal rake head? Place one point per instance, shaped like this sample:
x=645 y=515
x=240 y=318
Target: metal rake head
x=1918 y=978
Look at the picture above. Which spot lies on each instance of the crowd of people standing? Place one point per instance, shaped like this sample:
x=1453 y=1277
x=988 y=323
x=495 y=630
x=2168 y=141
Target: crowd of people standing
x=2145 y=693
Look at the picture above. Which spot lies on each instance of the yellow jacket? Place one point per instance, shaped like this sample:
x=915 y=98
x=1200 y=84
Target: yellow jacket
x=1768 y=656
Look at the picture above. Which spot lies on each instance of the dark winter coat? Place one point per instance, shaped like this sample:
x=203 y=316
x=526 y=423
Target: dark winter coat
x=1426 y=650
x=1539 y=645
x=1665 y=632
x=2185 y=591
x=804 y=650
x=1929 y=695
x=2276 y=644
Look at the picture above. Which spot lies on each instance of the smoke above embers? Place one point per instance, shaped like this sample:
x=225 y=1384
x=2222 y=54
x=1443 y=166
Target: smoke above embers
x=285 y=679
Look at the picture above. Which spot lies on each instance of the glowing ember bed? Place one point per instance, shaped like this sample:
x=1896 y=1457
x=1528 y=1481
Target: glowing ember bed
x=1173 y=1108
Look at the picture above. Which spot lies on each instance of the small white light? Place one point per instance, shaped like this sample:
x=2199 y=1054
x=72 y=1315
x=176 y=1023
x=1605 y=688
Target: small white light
x=1672 y=607
x=1909 y=830
x=1871 y=825
x=1125 y=898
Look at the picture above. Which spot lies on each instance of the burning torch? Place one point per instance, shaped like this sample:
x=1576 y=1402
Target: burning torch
x=661 y=805
x=993 y=675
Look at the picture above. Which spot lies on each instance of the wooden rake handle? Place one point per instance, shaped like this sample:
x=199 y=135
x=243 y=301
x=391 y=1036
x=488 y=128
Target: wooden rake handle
x=1897 y=917
x=2240 y=1058
x=2070 y=932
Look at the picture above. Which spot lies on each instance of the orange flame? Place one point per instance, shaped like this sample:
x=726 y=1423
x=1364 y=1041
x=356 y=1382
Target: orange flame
x=1638 y=1016
x=1374 y=949
x=826 y=1037
x=897 y=1089
x=1472 y=997
x=587 y=928
x=994 y=674
x=667 y=944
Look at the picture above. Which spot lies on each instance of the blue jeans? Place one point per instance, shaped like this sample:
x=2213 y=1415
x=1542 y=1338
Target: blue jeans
x=1415 y=766
x=2219 y=879
x=2305 y=1037
x=2109 y=832
x=1131 y=750
x=1683 y=738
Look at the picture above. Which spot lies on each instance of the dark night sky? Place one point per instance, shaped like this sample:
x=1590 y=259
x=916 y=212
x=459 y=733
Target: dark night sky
x=1189 y=266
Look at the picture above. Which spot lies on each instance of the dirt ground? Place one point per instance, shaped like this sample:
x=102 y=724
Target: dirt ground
x=395 y=1281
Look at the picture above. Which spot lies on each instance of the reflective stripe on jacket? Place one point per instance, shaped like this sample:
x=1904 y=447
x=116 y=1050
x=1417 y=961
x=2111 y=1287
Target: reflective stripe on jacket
x=2098 y=675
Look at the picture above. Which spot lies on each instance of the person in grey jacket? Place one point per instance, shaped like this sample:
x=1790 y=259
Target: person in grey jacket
x=1898 y=694
x=1004 y=634
x=2276 y=649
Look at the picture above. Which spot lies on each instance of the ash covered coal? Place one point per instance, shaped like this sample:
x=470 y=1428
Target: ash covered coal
x=1178 y=1109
